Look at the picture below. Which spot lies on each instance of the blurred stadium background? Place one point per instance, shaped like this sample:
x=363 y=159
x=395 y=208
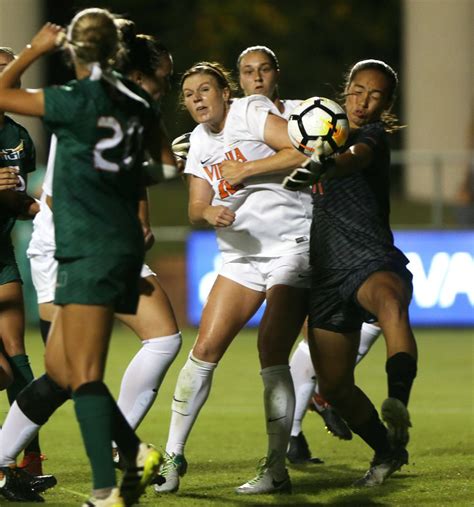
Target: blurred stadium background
x=430 y=43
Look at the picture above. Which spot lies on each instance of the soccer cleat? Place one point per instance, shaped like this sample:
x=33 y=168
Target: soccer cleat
x=136 y=478
x=298 y=451
x=333 y=422
x=382 y=467
x=395 y=415
x=15 y=488
x=265 y=483
x=38 y=483
x=32 y=462
x=113 y=500
x=174 y=467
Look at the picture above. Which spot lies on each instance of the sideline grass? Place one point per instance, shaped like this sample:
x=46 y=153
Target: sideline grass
x=228 y=438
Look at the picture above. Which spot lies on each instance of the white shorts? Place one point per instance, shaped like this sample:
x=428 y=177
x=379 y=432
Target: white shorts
x=44 y=270
x=146 y=271
x=262 y=273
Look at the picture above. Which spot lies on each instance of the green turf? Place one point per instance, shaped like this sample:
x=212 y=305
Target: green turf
x=229 y=436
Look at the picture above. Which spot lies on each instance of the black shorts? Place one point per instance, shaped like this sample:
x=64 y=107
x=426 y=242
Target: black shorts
x=333 y=304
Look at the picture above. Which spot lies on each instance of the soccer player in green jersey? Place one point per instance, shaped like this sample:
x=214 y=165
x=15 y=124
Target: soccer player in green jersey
x=17 y=159
x=103 y=123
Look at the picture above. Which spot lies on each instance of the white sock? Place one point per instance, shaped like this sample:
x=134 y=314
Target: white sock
x=16 y=434
x=279 y=402
x=191 y=392
x=304 y=380
x=368 y=334
x=144 y=375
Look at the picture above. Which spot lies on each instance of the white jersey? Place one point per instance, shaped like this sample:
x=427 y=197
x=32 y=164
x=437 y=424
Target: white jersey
x=270 y=221
x=289 y=105
x=42 y=238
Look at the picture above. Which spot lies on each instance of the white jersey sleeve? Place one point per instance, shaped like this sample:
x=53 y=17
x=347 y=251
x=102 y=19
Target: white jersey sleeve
x=43 y=241
x=48 y=177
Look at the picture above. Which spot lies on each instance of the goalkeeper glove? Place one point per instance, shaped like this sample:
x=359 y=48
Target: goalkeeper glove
x=181 y=145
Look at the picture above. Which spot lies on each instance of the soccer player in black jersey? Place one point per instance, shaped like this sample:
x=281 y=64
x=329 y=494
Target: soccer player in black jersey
x=359 y=275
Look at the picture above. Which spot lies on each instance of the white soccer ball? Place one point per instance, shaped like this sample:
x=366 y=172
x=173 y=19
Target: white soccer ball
x=318 y=119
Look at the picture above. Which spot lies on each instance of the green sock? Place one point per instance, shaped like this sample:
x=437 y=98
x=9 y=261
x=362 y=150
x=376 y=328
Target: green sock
x=94 y=411
x=22 y=376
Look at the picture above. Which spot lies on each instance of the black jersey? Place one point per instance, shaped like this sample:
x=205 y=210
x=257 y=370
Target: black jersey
x=350 y=224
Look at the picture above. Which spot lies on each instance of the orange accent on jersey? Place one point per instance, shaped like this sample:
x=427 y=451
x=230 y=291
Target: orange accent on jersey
x=213 y=171
x=226 y=189
x=235 y=154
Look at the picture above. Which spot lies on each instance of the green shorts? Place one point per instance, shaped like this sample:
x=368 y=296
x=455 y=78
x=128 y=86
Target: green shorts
x=9 y=272
x=99 y=281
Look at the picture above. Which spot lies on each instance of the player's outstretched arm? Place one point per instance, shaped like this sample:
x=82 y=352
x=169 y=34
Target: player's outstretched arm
x=285 y=159
x=28 y=102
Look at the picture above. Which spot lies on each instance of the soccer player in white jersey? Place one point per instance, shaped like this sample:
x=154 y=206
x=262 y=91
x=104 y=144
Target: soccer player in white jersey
x=154 y=323
x=262 y=232
x=259 y=73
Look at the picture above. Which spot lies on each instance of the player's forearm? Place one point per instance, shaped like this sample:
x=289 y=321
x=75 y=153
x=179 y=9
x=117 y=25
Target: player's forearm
x=197 y=211
x=354 y=159
x=283 y=162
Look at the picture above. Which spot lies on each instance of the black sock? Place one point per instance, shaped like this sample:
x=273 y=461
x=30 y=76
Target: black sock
x=41 y=398
x=401 y=371
x=373 y=433
x=44 y=329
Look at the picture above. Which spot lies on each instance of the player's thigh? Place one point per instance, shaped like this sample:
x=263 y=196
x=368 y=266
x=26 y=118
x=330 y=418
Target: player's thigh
x=334 y=355
x=12 y=318
x=47 y=311
x=284 y=315
x=228 y=308
x=155 y=316
x=86 y=332
x=55 y=355
x=384 y=291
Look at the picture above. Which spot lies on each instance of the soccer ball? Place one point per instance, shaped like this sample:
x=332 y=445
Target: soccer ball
x=318 y=118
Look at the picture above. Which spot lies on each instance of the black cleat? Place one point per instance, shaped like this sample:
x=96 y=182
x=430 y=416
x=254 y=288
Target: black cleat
x=41 y=483
x=333 y=422
x=298 y=451
x=15 y=486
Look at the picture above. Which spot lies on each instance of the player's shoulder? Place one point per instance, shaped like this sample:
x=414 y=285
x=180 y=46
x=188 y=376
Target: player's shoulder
x=371 y=134
x=256 y=101
x=16 y=127
x=290 y=105
x=202 y=140
x=377 y=127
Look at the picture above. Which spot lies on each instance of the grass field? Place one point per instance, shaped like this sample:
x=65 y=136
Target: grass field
x=229 y=436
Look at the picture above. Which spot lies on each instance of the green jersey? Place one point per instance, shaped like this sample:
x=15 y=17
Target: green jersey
x=98 y=165
x=16 y=150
